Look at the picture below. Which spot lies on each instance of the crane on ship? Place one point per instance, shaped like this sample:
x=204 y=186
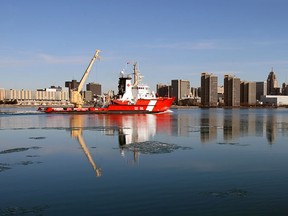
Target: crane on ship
x=76 y=97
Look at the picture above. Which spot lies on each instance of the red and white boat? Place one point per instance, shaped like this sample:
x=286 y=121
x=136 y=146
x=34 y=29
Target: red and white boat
x=131 y=98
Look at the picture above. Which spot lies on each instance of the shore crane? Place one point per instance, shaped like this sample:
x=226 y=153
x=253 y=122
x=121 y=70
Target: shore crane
x=75 y=94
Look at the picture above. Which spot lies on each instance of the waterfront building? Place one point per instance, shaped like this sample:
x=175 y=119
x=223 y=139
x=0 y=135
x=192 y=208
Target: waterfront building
x=163 y=90
x=272 y=83
x=195 y=92
x=231 y=91
x=180 y=89
x=72 y=84
x=284 y=89
x=248 y=93
x=261 y=89
x=209 y=85
x=275 y=100
x=38 y=96
x=95 y=89
x=2 y=94
x=220 y=92
x=88 y=96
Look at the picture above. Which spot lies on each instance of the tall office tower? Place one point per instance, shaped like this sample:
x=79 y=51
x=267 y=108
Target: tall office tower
x=2 y=94
x=72 y=84
x=272 y=83
x=284 y=89
x=231 y=91
x=248 y=93
x=180 y=89
x=163 y=90
x=209 y=85
x=95 y=88
x=261 y=89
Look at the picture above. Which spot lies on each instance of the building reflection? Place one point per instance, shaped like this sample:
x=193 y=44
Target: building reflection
x=208 y=126
x=231 y=123
x=271 y=129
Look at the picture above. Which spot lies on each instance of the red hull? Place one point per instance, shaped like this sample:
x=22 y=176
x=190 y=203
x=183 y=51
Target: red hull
x=142 y=106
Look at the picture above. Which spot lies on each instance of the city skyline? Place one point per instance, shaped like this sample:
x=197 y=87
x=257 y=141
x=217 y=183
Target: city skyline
x=48 y=43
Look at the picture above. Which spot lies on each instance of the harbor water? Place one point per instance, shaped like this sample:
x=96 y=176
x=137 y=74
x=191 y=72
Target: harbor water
x=182 y=162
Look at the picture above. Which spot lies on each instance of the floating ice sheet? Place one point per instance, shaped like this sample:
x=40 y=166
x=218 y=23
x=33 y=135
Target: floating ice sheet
x=154 y=147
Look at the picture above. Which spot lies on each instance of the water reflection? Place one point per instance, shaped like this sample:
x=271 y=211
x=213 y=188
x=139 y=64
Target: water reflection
x=206 y=124
x=76 y=125
x=208 y=127
x=130 y=129
x=231 y=124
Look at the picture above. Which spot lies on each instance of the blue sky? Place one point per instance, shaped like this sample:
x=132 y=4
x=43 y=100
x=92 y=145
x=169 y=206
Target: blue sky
x=44 y=43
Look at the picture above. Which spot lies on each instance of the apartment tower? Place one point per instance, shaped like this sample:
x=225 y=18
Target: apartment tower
x=180 y=89
x=209 y=95
x=248 y=93
x=231 y=91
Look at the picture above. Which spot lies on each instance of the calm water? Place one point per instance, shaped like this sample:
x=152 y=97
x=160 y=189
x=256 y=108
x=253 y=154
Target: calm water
x=186 y=162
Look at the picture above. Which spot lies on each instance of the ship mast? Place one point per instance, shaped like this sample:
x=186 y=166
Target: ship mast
x=136 y=74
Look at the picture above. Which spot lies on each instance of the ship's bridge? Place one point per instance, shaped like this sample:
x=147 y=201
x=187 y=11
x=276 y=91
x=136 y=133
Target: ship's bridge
x=142 y=91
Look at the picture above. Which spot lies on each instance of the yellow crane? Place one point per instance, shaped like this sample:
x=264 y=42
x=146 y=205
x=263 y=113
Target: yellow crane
x=75 y=94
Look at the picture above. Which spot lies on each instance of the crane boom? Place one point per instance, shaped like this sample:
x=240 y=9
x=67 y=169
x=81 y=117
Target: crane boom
x=85 y=75
x=75 y=95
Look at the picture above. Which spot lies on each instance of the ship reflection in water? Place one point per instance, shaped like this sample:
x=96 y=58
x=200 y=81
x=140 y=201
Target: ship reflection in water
x=130 y=129
x=76 y=125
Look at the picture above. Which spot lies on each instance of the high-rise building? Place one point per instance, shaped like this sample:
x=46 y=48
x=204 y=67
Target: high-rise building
x=248 y=93
x=261 y=89
x=72 y=84
x=180 y=89
x=231 y=91
x=163 y=90
x=284 y=89
x=2 y=94
x=95 y=88
x=209 y=85
x=272 y=83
